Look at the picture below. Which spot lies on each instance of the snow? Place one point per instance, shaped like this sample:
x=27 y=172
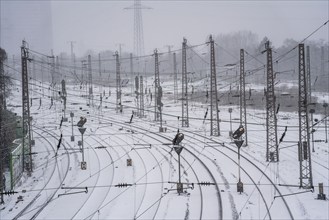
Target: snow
x=56 y=188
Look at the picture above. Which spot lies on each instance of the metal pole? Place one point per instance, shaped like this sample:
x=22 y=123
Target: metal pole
x=72 y=115
x=239 y=163
x=160 y=109
x=72 y=124
x=179 y=177
x=325 y=105
x=82 y=131
x=312 y=130
x=83 y=156
x=305 y=162
x=214 y=117
x=230 y=111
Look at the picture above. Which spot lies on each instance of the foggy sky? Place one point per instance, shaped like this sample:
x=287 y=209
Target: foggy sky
x=102 y=25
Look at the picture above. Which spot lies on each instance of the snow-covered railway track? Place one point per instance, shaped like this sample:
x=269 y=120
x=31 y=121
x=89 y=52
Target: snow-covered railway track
x=102 y=147
x=89 y=203
x=33 y=214
x=247 y=172
x=195 y=138
x=25 y=209
x=129 y=150
x=159 y=164
x=155 y=136
x=292 y=154
x=190 y=166
x=133 y=150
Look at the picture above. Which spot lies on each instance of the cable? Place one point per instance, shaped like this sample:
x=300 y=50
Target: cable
x=283 y=55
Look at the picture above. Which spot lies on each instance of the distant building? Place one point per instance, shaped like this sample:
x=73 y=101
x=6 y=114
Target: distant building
x=29 y=20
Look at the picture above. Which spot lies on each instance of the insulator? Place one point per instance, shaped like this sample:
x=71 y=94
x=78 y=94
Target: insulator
x=11 y=192
x=121 y=185
x=205 y=183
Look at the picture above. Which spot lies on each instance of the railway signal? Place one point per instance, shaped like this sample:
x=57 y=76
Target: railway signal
x=82 y=121
x=178 y=149
x=238 y=133
x=82 y=130
x=178 y=138
x=238 y=142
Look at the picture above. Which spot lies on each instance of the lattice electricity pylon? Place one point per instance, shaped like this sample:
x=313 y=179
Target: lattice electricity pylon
x=243 y=112
x=175 y=78
x=304 y=151
x=26 y=107
x=90 y=82
x=118 y=83
x=214 y=117
x=156 y=85
x=138 y=27
x=272 y=153
x=141 y=96
x=185 y=119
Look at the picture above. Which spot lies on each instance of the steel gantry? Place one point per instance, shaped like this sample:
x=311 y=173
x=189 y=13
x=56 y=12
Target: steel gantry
x=141 y=97
x=214 y=117
x=156 y=85
x=304 y=152
x=185 y=118
x=90 y=82
x=243 y=112
x=26 y=109
x=272 y=153
x=118 y=83
x=175 y=78
x=308 y=75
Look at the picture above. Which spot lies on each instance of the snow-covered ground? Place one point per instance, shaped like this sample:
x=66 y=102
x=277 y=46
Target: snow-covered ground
x=110 y=189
